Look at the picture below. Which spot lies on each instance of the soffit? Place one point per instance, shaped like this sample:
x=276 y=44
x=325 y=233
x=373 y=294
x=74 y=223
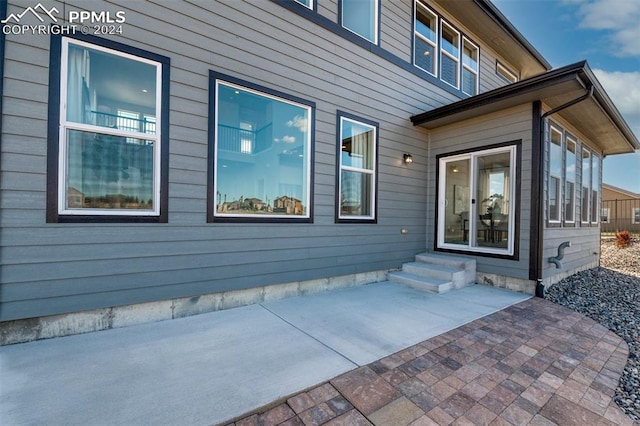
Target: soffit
x=494 y=30
x=595 y=117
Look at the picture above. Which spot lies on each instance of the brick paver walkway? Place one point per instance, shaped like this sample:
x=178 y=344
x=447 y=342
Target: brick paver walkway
x=533 y=363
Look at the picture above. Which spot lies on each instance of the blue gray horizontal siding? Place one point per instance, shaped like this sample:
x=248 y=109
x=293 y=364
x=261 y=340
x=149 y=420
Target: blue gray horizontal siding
x=56 y=268
x=513 y=124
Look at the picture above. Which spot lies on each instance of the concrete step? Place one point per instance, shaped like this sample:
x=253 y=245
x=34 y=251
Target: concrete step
x=463 y=263
x=457 y=276
x=443 y=259
x=432 y=285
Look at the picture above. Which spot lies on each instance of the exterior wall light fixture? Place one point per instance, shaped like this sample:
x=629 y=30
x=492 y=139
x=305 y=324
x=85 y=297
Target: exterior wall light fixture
x=407 y=158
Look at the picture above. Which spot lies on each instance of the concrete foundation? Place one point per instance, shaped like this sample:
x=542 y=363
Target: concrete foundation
x=32 y=329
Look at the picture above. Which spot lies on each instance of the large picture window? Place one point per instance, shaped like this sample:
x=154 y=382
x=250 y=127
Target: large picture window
x=357 y=148
x=111 y=132
x=261 y=153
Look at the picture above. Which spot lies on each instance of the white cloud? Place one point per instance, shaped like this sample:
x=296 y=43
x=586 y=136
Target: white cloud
x=289 y=139
x=624 y=90
x=299 y=122
x=618 y=17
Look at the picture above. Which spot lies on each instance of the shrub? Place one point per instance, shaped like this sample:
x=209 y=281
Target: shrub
x=623 y=239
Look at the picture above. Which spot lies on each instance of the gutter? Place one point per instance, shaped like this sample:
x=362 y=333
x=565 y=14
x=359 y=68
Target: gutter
x=537 y=193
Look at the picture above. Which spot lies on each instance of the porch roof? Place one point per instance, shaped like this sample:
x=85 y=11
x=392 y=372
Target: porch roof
x=595 y=116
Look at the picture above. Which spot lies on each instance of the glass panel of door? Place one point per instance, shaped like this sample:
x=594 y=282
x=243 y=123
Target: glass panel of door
x=492 y=176
x=475 y=207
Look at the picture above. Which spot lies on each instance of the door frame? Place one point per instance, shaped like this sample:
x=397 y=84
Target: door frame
x=512 y=251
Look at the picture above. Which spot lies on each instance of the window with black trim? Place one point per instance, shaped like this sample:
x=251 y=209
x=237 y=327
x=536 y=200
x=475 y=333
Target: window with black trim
x=595 y=186
x=571 y=163
x=108 y=132
x=554 y=198
x=357 y=168
x=261 y=149
x=361 y=18
x=586 y=186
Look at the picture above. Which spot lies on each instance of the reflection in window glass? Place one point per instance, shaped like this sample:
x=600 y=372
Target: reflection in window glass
x=109 y=172
x=595 y=184
x=570 y=171
x=262 y=154
x=361 y=17
x=108 y=141
x=100 y=85
x=586 y=184
x=555 y=170
x=357 y=169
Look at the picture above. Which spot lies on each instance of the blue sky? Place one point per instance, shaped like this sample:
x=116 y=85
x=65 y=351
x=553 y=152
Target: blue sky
x=607 y=34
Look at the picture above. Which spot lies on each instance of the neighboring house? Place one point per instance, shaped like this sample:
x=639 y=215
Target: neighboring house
x=361 y=132
x=620 y=210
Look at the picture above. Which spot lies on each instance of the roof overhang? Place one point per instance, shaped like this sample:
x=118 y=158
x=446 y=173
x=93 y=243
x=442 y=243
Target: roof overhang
x=595 y=115
x=489 y=24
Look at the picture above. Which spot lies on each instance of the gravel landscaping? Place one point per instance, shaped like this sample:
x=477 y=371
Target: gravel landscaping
x=610 y=295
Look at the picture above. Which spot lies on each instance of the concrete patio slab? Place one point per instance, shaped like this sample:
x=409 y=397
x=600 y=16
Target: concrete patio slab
x=210 y=368
x=368 y=323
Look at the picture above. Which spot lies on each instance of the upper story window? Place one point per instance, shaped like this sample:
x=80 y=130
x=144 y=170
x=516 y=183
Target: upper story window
x=449 y=54
x=360 y=17
x=442 y=51
x=506 y=73
x=425 y=39
x=307 y=3
x=357 y=168
x=260 y=153
x=469 y=67
x=111 y=139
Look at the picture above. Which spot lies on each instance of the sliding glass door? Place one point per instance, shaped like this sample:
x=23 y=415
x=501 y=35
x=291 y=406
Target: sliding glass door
x=476 y=201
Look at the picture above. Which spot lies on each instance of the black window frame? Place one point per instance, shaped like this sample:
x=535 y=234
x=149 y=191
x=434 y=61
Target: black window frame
x=214 y=76
x=53 y=137
x=352 y=117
